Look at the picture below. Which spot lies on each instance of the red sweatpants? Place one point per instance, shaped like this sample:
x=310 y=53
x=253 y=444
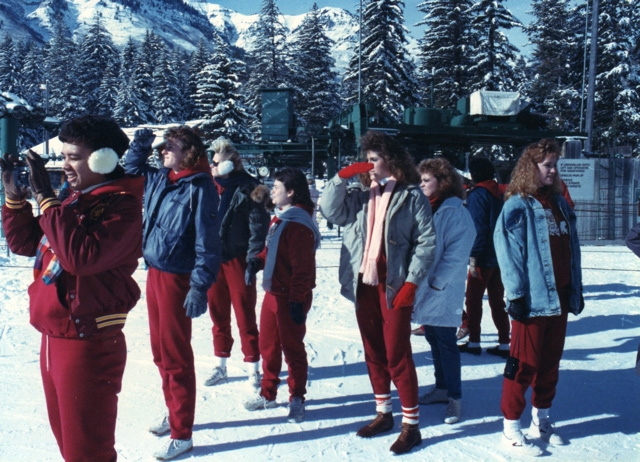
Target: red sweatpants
x=488 y=279
x=538 y=344
x=386 y=336
x=170 y=333
x=229 y=289
x=82 y=379
x=278 y=335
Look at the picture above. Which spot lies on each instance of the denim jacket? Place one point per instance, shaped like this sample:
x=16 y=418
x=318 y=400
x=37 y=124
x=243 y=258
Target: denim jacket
x=522 y=245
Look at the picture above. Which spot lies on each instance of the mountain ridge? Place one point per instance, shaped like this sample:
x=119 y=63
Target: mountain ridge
x=181 y=23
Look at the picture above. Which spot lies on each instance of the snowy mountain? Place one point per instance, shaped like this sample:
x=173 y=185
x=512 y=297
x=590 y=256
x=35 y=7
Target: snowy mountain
x=181 y=23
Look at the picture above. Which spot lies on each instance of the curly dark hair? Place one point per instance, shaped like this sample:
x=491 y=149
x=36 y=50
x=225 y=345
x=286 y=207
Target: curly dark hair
x=525 y=176
x=399 y=161
x=449 y=181
x=191 y=143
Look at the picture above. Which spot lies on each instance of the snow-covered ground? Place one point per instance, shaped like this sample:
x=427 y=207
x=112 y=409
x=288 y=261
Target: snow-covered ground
x=596 y=408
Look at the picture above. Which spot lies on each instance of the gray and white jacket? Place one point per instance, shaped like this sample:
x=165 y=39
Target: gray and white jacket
x=408 y=232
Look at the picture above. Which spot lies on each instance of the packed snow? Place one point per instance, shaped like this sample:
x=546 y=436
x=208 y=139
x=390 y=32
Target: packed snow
x=596 y=408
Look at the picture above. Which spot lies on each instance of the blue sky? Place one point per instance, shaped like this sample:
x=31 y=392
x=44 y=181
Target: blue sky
x=291 y=7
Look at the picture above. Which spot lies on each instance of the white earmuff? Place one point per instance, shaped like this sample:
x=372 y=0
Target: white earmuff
x=225 y=167
x=103 y=161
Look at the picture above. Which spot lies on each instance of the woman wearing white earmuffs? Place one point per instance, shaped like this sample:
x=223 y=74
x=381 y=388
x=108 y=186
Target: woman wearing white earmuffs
x=86 y=248
x=244 y=222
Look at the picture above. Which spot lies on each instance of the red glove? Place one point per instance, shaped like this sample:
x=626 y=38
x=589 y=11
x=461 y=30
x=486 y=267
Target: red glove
x=405 y=296
x=355 y=169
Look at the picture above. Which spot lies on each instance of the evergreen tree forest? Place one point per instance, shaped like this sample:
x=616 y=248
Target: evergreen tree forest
x=464 y=48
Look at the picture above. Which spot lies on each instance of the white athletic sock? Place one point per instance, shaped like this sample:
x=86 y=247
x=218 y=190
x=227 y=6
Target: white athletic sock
x=539 y=414
x=511 y=428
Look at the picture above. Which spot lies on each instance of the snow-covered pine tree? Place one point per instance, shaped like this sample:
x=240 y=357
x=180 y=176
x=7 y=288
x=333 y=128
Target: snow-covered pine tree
x=142 y=75
x=218 y=100
x=445 y=51
x=557 y=35
x=388 y=75
x=494 y=58
x=96 y=56
x=8 y=65
x=32 y=75
x=268 y=59
x=617 y=107
x=166 y=102
x=60 y=70
x=108 y=90
x=317 y=99
x=199 y=59
x=179 y=61
x=127 y=110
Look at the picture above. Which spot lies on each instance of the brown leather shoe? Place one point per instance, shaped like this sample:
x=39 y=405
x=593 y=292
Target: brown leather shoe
x=409 y=438
x=382 y=423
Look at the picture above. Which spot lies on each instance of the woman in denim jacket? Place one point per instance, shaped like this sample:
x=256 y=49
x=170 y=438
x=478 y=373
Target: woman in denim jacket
x=539 y=256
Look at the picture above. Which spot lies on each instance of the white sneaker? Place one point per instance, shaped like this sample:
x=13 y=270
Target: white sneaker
x=254 y=380
x=218 y=375
x=173 y=449
x=520 y=445
x=546 y=432
x=161 y=428
x=296 y=410
x=436 y=395
x=258 y=403
x=454 y=411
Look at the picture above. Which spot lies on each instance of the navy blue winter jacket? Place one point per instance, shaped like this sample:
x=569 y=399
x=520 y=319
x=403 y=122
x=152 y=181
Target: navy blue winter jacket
x=484 y=208
x=180 y=230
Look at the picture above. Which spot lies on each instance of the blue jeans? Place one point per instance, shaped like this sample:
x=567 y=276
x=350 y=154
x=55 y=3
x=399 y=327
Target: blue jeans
x=446 y=359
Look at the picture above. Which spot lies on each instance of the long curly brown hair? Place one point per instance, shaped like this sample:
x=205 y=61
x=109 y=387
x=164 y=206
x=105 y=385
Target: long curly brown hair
x=449 y=181
x=525 y=179
x=399 y=161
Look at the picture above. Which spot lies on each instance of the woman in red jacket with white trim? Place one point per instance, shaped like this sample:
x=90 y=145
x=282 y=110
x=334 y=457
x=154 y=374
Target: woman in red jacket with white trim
x=86 y=250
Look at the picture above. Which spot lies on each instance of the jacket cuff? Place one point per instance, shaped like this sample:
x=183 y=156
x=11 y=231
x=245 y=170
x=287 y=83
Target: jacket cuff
x=48 y=202
x=15 y=204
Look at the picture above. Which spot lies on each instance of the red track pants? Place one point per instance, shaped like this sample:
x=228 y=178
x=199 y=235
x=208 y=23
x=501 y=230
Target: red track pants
x=278 y=335
x=386 y=336
x=230 y=289
x=170 y=332
x=82 y=379
x=538 y=344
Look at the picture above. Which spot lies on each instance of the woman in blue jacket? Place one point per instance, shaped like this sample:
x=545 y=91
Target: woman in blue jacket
x=181 y=246
x=539 y=256
x=440 y=297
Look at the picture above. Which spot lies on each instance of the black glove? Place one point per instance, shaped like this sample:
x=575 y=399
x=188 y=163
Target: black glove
x=40 y=181
x=11 y=166
x=518 y=309
x=142 y=141
x=196 y=302
x=297 y=312
x=253 y=266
